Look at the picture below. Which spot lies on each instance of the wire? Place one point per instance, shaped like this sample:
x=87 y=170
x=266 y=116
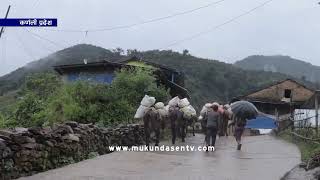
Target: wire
x=49 y=49
x=24 y=47
x=45 y=39
x=42 y=45
x=218 y=26
x=36 y=3
x=140 y=23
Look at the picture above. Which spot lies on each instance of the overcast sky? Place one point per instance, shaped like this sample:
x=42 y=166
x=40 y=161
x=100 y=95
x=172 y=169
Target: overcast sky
x=286 y=27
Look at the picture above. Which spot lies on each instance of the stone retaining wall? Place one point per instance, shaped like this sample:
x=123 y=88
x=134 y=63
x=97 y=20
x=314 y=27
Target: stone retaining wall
x=24 y=152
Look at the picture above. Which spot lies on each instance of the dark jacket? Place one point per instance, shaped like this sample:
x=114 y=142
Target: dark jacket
x=152 y=118
x=213 y=119
x=175 y=116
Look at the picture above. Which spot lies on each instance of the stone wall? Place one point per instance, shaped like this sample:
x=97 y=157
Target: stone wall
x=24 y=152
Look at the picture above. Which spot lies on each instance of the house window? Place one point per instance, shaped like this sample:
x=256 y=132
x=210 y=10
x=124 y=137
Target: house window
x=287 y=93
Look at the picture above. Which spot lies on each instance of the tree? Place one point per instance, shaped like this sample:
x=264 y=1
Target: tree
x=36 y=91
x=118 y=51
x=133 y=84
x=42 y=84
x=185 y=52
x=133 y=52
x=45 y=101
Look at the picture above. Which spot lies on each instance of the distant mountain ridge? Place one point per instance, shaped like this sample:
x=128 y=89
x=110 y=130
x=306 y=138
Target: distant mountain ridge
x=282 y=64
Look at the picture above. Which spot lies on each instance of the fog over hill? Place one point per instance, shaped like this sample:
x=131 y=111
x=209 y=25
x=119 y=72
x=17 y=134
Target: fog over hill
x=283 y=64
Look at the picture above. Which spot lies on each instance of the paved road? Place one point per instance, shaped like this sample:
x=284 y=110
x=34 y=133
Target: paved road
x=262 y=157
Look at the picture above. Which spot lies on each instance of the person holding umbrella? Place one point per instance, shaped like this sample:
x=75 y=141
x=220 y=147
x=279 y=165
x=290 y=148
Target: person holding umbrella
x=242 y=111
x=239 y=127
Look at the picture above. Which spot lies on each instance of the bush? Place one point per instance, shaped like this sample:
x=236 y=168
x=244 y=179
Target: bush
x=46 y=101
x=133 y=84
x=30 y=109
x=43 y=85
x=2 y=122
x=87 y=102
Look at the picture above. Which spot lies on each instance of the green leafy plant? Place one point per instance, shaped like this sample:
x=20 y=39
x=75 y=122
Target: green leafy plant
x=46 y=100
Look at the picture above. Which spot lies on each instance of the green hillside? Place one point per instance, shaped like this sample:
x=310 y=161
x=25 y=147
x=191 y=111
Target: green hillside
x=211 y=80
x=207 y=80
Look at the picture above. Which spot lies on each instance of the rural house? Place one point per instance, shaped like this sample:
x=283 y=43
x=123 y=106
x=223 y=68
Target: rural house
x=280 y=98
x=103 y=71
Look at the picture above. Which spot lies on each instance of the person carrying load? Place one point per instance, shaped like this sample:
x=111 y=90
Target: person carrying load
x=213 y=120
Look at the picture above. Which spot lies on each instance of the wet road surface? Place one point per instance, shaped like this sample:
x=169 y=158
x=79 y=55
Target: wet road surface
x=261 y=157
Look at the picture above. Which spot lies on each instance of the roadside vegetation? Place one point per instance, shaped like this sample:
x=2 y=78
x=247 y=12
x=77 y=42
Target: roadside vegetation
x=44 y=100
x=307 y=148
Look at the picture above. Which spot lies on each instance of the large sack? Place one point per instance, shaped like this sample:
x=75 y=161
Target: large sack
x=159 y=105
x=215 y=104
x=205 y=109
x=183 y=103
x=163 y=112
x=188 y=111
x=230 y=113
x=167 y=107
x=141 y=112
x=148 y=101
x=174 y=101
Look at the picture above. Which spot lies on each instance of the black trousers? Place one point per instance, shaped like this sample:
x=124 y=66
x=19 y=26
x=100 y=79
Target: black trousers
x=147 y=131
x=211 y=136
x=181 y=129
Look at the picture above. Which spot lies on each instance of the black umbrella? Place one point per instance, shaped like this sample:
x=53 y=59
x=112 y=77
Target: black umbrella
x=244 y=110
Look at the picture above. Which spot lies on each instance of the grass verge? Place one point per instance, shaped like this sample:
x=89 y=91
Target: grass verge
x=306 y=148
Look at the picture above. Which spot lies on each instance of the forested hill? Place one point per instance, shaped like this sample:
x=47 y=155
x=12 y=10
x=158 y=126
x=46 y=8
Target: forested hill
x=207 y=80
x=283 y=64
x=211 y=80
x=70 y=55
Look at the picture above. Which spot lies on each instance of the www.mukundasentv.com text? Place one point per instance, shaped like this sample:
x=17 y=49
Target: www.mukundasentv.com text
x=162 y=148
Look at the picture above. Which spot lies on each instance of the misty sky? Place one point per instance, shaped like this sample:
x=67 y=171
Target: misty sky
x=286 y=27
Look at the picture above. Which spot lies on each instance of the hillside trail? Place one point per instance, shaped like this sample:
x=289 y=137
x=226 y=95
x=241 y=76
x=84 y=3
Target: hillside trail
x=262 y=157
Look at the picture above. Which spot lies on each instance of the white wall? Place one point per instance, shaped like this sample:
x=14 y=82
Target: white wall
x=305 y=113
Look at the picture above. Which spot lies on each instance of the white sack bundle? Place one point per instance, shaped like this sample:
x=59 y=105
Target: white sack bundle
x=167 y=107
x=159 y=105
x=205 y=109
x=174 y=101
x=141 y=111
x=188 y=111
x=148 y=101
x=163 y=112
x=215 y=104
x=183 y=103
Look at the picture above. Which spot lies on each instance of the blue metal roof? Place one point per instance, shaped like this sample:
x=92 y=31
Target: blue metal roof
x=261 y=122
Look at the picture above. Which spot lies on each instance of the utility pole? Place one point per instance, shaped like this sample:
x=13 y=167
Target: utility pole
x=317 y=110
x=2 y=28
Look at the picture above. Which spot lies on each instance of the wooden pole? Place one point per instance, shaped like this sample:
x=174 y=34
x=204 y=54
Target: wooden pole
x=316 y=104
x=6 y=16
x=291 y=112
